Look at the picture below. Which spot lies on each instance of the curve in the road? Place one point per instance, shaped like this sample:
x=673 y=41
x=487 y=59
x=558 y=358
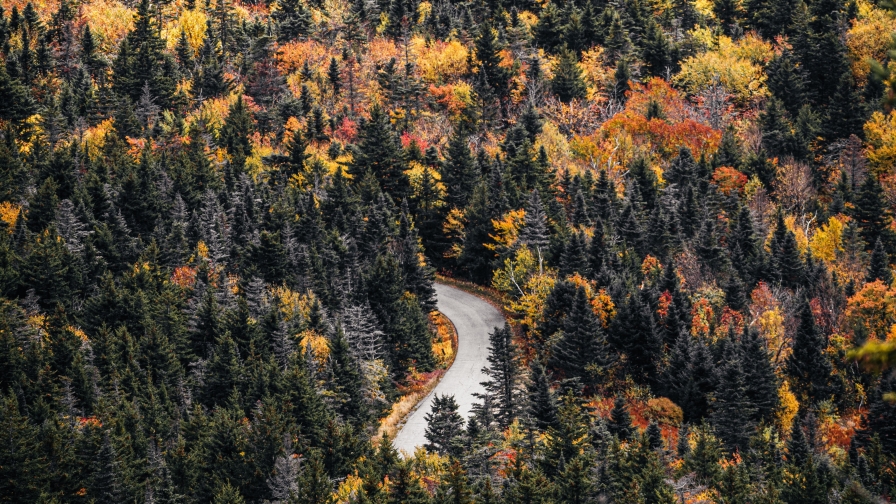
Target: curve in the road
x=474 y=319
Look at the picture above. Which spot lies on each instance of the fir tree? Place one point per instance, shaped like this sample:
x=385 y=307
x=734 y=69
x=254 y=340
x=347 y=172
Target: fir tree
x=809 y=365
x=459 y=170
x=582 y=352
x=567 y=83
x=293 y=20
x=872 y=214
x=444 y=426
x=378 y=151
x=879 y=268
x=503 y=385
x=542 y=405
x=620 y=424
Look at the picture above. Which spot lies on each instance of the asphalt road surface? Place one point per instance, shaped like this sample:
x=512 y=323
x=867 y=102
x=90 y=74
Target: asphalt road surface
x=474 y=319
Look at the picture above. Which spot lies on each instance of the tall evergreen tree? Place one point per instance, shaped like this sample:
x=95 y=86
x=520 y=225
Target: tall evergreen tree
x=809 y=365
x=503 y=385
x=378 y=151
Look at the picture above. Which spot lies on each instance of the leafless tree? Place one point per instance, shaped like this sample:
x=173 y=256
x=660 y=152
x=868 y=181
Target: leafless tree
x=794 y=186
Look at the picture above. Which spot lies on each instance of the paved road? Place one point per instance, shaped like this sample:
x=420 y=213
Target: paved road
x=474 y=320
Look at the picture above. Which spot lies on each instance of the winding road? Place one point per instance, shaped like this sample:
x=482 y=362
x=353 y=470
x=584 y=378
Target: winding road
x=474 y=319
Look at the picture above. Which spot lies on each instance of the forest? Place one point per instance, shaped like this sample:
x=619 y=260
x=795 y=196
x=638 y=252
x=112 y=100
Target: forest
x=221 y=222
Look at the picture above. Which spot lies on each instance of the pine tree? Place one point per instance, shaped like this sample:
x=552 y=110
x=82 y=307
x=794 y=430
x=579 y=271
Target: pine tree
x=633 y=332
x=567 y=83
x=788 y=264
x=293 y=20
x=334 y=76
x=17 y=104
x=654 y=435
x=620 y=424
x=378 y=151
x=582 y=352
x=542 y=405
x=734 y=413
x=503 y=386
x=346 y=379
x=809 y=365
x=761 y=380
x=658 y=51
x=549 y=30
x=879 y=268
x=872 y=214
x=235 y=133
x=418 y=276
x=459 y=170
x=444 y=426
x=493 y=76
x=728 y=12
x=845 y=114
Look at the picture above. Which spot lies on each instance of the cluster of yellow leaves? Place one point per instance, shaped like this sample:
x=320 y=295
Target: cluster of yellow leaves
x=94 y=139
x=867 y=39
x=318 y=344
x=453 y=228
x=738 y=66
x=788 y=406
x=827 y=245
x=526 y=285
x=827 y=242
x=880 y=137
x=9 y=213
x=874 y=309
x=555 y=146
x=507 y=230
x=416 y=174
x=595 y=72
x=443 y=343
x=294 y=304
x=193 y=23
x=212 y=113
x=768 y=316
x=601 y=303
x=109 y=20
x=348 y=489
x=440 y=62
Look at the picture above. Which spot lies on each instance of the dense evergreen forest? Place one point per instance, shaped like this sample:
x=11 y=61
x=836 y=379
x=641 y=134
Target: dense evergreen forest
x=220 y=223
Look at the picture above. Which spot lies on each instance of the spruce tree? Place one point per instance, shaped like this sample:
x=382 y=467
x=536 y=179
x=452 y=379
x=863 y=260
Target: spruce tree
x=620 y=424
x=879 y=268
x=633 y=333
x=872 y=213
x=293 y=20
x=541 y=411
x=567 y=83
x=444 y=426
x=733 y=412
x=459 y=170
x=808 y=364
x=503 y=385
x=492 y=76
x=761 y=380
x=379 y=152
x=582 y=352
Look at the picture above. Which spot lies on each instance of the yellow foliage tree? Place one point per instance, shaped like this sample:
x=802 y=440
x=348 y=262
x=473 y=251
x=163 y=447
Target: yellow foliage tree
x=869 y=39
x=507 y=230
x=192 y=23
x=880 y=135
x=440 y=62
x=738 y=66
x=109 y=20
